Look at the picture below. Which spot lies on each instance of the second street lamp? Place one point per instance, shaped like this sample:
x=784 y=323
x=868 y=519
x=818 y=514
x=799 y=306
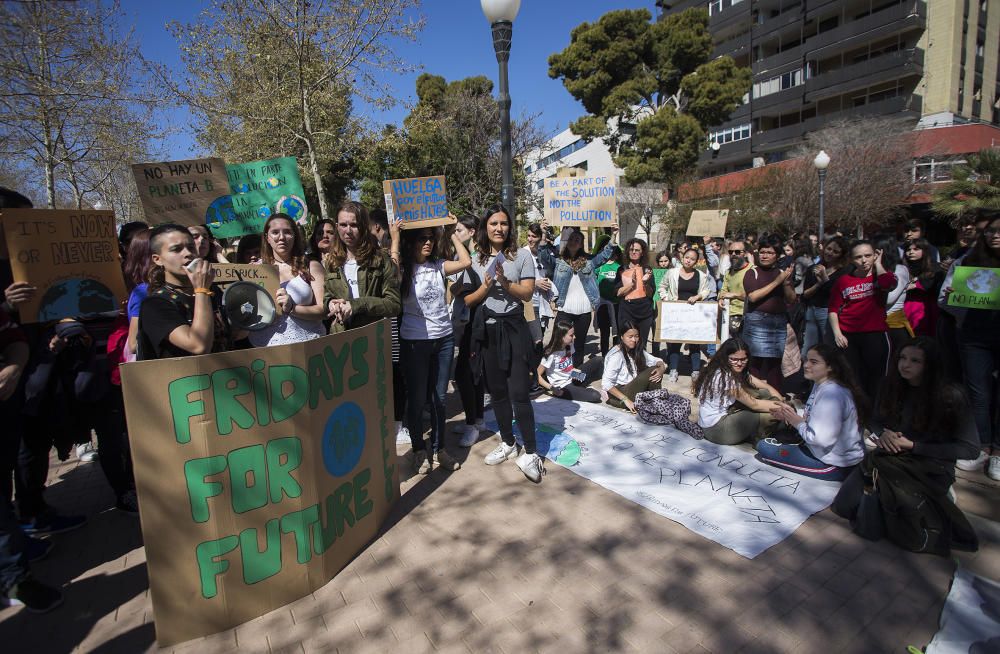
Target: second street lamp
x=501 y=14
x=821 y=161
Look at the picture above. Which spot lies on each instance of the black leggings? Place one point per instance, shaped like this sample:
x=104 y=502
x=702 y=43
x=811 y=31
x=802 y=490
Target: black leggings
x=509 y=388
x=581 y=325
x=606 y=318
x=868 y=355
x=640 y=312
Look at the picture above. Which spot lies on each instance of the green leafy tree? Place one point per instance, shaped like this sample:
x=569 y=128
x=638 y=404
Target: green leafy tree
x=626 y=71
x=974 y=188
x=452 y=130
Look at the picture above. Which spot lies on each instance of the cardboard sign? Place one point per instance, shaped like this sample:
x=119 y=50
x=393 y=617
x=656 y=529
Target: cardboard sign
x=975 y=288
x=261 y=473
x=418 y=202
x=258 y=273
x=581 y=201
x=680 y=322
x=708 y=222
x=259 y=189
x=70 y=256
x=658 y=274
x=191 y=192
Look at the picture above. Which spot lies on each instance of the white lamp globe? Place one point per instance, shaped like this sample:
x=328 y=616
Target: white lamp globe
x=822 y=160
x=497 y=10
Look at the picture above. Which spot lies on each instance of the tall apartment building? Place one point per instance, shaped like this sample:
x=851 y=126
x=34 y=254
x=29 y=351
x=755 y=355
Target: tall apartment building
x=819 y=61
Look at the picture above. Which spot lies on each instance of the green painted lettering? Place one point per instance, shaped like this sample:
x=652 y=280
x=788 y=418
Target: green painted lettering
x=260 y=393
x=284 y=404
x=247 y=476
x=359 y=348
x=199 y=490
x=181 y=408
x=362 y=505
x=227 y=385
x=335 y=363
x=210 y=565
x=319 y=381
x=299 y=524
x=283 y=456
x=259 y=564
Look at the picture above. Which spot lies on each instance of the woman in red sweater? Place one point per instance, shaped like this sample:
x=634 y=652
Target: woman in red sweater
x=857 y=315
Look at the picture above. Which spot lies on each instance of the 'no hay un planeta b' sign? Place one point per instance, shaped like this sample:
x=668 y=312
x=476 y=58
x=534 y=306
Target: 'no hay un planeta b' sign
x=261 y=473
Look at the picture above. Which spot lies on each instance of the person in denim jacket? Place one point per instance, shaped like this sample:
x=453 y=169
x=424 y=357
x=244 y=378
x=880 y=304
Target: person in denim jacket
x=576 y=285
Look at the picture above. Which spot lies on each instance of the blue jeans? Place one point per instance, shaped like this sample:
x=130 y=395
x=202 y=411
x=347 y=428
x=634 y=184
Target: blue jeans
x=674 y=356
x=798 y=459
x=980 y=353
x=816 y=326
x=426 y=364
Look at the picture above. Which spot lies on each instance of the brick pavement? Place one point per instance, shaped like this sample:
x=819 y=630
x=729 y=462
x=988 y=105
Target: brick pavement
x=481 y=560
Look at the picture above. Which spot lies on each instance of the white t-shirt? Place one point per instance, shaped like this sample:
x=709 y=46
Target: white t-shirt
x=559 y=368
x=577 y=302
x=616 y=373
x=351 y=275
x=425 y=312
x=711 y=411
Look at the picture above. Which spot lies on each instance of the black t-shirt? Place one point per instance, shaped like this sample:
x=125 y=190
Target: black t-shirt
x=687 y=288
x=821 y=298
x=164 y=310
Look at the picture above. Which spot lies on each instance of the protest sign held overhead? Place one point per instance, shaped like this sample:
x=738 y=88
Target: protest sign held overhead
x=708 y=222
x=418 y=202
x=261 y=473
x=259 y=189
x=581 y=201
x=70 y=256
x=192 y=192
x=681 y=322
x=975 y=288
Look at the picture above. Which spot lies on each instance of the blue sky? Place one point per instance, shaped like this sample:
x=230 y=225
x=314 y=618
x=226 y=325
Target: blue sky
x=455 y=43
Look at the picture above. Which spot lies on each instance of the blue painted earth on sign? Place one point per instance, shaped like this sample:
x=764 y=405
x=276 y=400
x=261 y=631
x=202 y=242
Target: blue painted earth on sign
x=76 y=297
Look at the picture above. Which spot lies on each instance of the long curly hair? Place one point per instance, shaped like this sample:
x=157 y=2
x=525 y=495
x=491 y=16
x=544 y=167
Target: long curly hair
x=368 y=251
x=718 y=379
x=297 y=260
x=937 y=403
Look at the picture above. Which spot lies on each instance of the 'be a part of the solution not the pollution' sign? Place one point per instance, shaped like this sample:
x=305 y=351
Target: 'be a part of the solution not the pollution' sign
x=581 y=201
x=418 y=201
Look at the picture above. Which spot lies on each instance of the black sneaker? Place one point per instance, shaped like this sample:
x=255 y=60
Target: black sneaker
x=34 y=596
x=53 y=523
x=37 y=549
x=128 y=503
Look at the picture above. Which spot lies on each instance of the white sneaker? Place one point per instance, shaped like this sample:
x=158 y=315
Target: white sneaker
x=403 y=436
x=469 y=436
x=694 y=377
x=993 y=469
x=501 y=453
x=86 y=452
x=972 y=465
x=421 y=462
x=672 y=377
x=531 y=465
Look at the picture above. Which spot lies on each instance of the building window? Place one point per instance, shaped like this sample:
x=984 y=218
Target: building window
x=565 y=151
x=738 y=133
x=780 y=83
x=926 y=171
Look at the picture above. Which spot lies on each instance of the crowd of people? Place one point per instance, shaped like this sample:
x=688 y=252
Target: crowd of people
x=827 y=341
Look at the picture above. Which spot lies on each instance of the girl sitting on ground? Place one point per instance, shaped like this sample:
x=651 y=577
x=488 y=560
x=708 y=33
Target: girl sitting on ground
x=629 y=370
x=829 y=427
x=734 y=406
x=556 y=372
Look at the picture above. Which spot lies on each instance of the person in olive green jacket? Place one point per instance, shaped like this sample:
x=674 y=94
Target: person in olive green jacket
x=362 y=281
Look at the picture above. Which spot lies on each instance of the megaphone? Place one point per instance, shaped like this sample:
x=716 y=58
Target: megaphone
x=248 y=306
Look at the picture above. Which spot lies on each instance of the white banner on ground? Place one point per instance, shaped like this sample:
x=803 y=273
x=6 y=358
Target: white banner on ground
x=719 y=492
x=970 y=620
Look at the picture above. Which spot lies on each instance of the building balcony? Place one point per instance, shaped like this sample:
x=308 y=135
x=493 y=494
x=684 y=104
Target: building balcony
x=730 y=19
x=814 y=7
x=780 y=102
x=732 y=47
x=896 y=65
x=727 y=154
x=790 y=20
x=777 y=61
x=897 y=19
x=778 y=137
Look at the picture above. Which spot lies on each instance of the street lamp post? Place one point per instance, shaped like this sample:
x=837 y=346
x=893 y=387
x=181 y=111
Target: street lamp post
x=821 y=161
x=501 y=14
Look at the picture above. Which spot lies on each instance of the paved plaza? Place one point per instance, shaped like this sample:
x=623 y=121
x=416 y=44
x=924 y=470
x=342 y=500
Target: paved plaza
x=481 y=560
